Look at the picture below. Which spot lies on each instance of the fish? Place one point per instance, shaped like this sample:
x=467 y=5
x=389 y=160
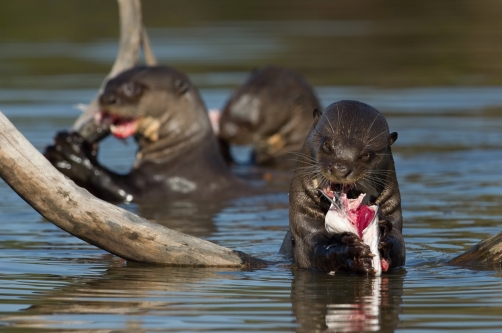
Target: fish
x=350 y=215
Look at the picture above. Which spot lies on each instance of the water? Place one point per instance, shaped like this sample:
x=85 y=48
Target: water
x=448 y=161
x=437 y=91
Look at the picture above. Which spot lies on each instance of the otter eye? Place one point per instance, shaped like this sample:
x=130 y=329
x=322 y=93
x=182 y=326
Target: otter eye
x=327 y=145
x=365 y=157
x=131 y=90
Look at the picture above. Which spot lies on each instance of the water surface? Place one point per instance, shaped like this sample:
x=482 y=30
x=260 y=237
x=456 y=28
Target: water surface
x=434 y=70
x=448 y=161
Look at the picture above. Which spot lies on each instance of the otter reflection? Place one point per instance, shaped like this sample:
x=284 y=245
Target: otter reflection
x=123 y=294
x=188 y=216
x=343 y=303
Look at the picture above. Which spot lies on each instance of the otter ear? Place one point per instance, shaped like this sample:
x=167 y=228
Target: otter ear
x=182 y=86
x=392 y=138
x=317 y=114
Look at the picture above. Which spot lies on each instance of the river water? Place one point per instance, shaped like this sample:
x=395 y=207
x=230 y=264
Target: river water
x=448 y=160
x=447 y=109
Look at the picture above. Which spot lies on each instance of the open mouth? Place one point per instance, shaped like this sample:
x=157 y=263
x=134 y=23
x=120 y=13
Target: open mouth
x=354 y=216
x=121 y=127
x=351 y=205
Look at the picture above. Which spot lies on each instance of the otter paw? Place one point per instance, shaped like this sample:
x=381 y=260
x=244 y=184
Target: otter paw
x=385 y=248
x=385 y=227
x=359 y=256
x=73 y=156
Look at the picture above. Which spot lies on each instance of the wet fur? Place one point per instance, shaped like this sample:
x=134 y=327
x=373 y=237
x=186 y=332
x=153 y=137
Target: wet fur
x=178 y=153
x=342 y=134
x=271 y=111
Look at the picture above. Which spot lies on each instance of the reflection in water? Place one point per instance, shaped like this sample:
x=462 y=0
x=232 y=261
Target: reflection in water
x=363 y=315
x=344 y=303
x=158 y=299
x=143 y=290
x=187 y=216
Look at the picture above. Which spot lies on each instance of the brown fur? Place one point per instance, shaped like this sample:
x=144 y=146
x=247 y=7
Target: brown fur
x=271 y=111
x=178 y=153
x=349 y=143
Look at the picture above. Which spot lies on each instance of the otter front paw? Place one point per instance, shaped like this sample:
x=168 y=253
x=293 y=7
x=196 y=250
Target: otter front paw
x=385 y=245
x=73 y=156
x=359 y=256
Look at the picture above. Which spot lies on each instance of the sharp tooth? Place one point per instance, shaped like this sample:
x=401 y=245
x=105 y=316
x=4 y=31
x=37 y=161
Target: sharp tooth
x=113 y=128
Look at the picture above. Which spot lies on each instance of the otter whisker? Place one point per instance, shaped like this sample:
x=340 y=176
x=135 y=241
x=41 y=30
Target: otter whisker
x=375 y=177
x=376 y=136
x=302 y=162
x=304 y=157
x=371 y=126
x=380 y=177
x=313 y=173
x=302 y=154
x=333 y=202
x=376 y=181
x=326 y=127
x=329 y=122
x=312 y=166
x=305 y=171
x=305 y=161
x=367 y=183
x=317 y=132
x=381 y=172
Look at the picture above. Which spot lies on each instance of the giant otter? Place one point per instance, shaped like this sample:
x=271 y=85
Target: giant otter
x=178 y=153
x=272 y=112
x=346 y=153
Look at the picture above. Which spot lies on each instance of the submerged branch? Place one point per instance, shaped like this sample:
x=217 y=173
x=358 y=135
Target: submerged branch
x=487 y=253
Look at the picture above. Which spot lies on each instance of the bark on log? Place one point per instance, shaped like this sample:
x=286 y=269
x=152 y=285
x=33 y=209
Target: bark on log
x=97 y=222
x=487 y=253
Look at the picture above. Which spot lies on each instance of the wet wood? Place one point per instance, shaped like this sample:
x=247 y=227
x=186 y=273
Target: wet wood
x=487 y=253
x=133 y=36
x=97 y=222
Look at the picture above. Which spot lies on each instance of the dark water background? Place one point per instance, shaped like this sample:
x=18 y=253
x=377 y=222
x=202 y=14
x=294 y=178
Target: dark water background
x=434 y=68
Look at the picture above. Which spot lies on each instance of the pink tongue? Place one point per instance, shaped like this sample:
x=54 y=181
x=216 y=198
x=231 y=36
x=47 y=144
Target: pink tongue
x=125 y=129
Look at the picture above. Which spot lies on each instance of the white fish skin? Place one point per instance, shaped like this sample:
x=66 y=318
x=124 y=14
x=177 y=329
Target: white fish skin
x=336 y=222
x=371 y=237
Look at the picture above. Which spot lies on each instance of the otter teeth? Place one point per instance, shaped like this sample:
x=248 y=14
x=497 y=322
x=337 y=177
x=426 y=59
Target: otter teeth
x=329 y=192
x=332 y=189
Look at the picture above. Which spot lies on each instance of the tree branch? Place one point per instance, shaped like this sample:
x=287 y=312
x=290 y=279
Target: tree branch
x=97 y=222
x=486 y=253
x=132 y=36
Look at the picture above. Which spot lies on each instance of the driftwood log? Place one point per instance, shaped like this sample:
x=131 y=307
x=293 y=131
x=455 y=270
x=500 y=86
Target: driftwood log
x=485 y=254
x=97 y=222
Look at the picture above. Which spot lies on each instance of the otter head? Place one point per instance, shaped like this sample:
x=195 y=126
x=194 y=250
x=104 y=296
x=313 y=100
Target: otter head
x=270 y=111
x=151 y=102
x=351 y=149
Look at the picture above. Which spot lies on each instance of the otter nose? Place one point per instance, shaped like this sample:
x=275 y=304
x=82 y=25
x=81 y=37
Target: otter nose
x=108 y=98
x=341 y=170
